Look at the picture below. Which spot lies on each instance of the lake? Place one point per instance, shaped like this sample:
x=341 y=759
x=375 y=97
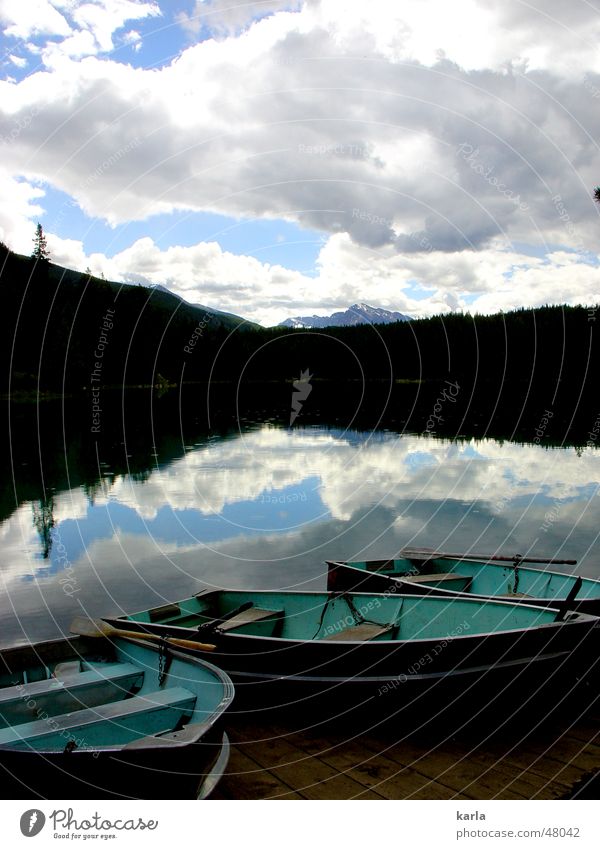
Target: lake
x=150 y=514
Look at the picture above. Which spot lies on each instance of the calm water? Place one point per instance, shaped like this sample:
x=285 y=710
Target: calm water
x=264 y=506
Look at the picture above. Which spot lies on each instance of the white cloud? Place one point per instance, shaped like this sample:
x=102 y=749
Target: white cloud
x=226 y=17
x=104 y=17
x=405 y=468
x=36 y=17
x=425 y=142
x=19 y=206
x=134 y=39
x=375 y=149
x=416 y=285
x=19 y=61
x=84 y=28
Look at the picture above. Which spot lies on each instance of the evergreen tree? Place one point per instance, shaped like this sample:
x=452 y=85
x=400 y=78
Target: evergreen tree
x=40 y=246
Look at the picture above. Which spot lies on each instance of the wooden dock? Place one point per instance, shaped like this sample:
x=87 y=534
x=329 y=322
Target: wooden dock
x=280 y=762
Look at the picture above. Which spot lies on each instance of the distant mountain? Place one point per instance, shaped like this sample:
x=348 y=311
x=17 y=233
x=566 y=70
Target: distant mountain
x=356 y=314
x=225 y=319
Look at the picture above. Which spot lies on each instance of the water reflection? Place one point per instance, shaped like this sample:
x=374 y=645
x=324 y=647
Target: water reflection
x=266 y=507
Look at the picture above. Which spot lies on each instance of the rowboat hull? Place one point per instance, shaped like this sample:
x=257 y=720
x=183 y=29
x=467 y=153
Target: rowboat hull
x=543 y=688
x=304 y=672
x=174 y=774
x=183 y=764
x=517 y=583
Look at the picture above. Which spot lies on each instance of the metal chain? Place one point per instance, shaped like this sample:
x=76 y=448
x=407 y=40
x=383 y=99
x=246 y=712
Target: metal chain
x=517 y=560
x=162 y=660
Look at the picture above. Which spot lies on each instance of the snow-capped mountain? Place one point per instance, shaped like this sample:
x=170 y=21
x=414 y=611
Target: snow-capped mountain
x=356 y=314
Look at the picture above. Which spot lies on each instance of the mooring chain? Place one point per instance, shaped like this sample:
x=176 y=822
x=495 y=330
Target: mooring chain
x=517 y=560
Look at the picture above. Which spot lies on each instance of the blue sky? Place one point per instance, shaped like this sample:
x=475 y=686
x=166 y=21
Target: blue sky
x=286 y=157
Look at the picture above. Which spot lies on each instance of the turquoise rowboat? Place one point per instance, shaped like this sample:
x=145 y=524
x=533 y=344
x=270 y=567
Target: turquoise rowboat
x=354 y=645
x=428 y=572
x=89 y=718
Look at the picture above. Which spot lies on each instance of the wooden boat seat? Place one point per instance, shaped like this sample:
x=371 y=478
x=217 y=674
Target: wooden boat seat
x=165 y=613
x=380 y=565
x=112 y=723
x=249 y=617
x=78 y=689
x=362 y=631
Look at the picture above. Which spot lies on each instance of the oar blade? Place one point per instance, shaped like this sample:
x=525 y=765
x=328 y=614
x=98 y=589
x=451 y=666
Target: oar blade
x=90 y=627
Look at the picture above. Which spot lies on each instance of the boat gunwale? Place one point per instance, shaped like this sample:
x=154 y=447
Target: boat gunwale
x=411 y=677
x=512 y=565
x=531 y=601
x=575 y=618
x=310 y=593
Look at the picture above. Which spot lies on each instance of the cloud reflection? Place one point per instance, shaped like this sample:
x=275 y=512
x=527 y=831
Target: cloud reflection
x=266 y=509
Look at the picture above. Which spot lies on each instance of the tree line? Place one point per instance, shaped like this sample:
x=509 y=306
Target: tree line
x=56 y=325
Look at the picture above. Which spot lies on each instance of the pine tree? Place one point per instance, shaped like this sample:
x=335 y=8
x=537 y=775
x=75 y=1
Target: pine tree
x=40 y=246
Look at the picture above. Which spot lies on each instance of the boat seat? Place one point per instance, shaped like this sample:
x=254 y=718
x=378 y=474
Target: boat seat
x=249 y=617
x=436 y=578
x=107 y=724
x=73 y=691
x=380 y=566
x=165 y=613
x=362 y=631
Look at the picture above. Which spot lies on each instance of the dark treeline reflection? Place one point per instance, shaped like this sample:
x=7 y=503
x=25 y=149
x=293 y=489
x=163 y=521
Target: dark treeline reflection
x=56 y=445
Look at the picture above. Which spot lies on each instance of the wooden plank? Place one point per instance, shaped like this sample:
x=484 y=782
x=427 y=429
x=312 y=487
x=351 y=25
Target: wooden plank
x=434 y=578
x=543 y=765
x=315 y=780
x=409 y=554
x=379 y=565
x=537 y=771
x=322 y=763
x=245 y=779
x=364 y=631
x=350 y=755
x=587 y=731
x=309 y=776
x=166 y=611
x=382 y=775
x=248 y=617
x=570 y=754
x=465 y=774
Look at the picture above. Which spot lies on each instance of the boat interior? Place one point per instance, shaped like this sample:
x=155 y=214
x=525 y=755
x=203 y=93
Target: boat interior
x=343 y=616
x=480 y=578
x=85 y=703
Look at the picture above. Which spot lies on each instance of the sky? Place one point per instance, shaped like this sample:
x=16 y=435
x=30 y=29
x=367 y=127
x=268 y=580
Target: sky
x=294 y=157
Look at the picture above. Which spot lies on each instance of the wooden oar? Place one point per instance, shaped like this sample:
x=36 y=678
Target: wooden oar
x=216 y=623
x=97 y=628
x=430 y=553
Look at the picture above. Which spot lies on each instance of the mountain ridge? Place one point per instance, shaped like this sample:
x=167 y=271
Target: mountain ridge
x=359 y=313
